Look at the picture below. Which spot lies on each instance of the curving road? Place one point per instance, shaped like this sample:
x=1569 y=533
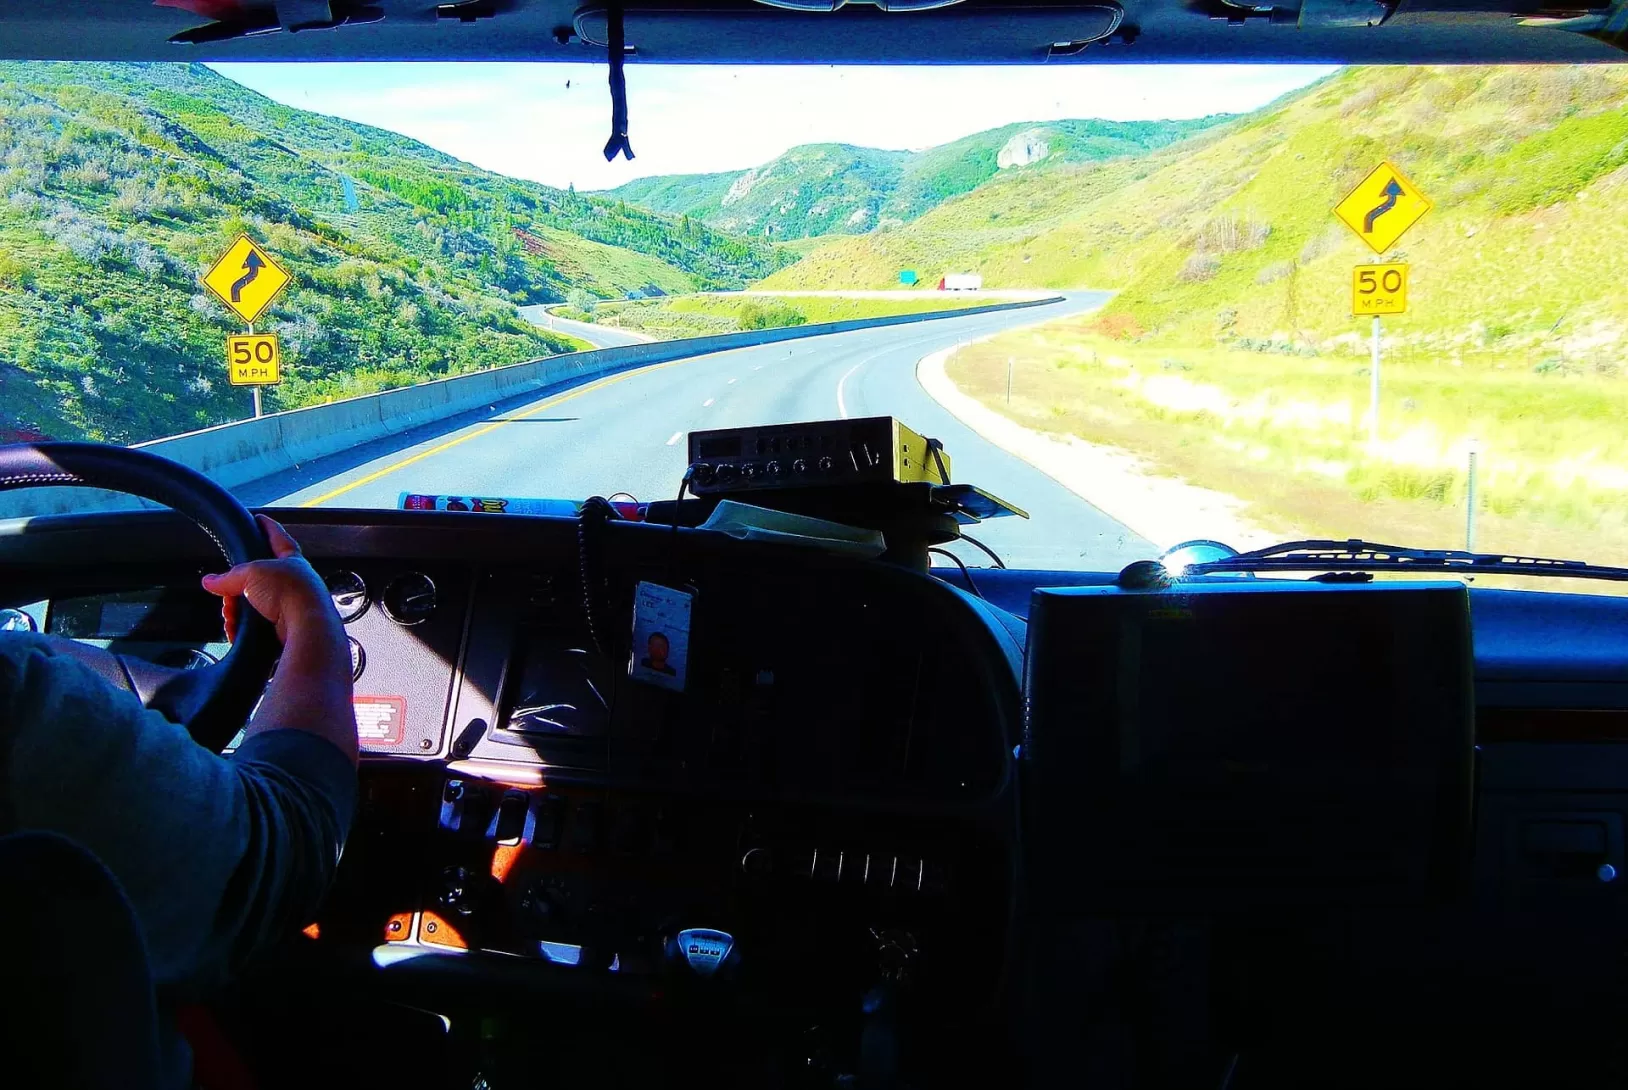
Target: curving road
x=600 y=336
x=626 y=433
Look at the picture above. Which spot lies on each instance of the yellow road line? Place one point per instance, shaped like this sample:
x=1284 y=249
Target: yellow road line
x=539 y=407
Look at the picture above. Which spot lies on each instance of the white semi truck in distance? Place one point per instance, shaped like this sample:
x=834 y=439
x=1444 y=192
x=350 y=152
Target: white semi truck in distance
x=960 y=282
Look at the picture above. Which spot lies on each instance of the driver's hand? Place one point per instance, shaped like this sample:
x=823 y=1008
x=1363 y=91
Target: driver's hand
x=286 y=591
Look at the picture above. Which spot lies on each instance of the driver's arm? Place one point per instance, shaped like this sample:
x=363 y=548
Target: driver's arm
x=219 y=856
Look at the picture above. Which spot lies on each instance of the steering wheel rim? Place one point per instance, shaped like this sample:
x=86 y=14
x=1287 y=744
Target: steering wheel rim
x=214 y=702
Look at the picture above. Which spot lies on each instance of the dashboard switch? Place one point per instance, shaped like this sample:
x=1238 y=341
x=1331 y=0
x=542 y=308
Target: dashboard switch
x=546 y=832
x=454 y=797
x=509 y=823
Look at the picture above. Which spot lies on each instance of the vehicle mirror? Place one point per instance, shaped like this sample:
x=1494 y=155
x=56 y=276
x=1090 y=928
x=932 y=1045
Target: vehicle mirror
x=1178 y=558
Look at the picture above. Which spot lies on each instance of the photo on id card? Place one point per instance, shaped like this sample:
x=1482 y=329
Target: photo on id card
x=661 y=636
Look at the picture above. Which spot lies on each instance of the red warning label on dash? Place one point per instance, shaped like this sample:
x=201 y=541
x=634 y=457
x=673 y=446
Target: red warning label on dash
x=380 y=720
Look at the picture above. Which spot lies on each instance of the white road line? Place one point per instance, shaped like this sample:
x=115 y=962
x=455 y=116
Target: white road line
x=708 y=402
x=842 y=406
x=677 y=435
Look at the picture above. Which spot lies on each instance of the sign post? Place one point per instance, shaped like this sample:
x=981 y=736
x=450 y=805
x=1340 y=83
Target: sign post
x=246 y=279
x=1379 y=211
x=1373 y=386
x=1469 y=498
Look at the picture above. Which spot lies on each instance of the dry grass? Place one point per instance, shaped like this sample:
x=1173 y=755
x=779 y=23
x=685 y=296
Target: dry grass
x=1287 y=434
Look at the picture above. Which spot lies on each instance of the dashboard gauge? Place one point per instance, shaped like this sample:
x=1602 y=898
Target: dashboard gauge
x=15 y=620
x=409 y=599
x=358 y=659
x=186 y=658
x=349 y=594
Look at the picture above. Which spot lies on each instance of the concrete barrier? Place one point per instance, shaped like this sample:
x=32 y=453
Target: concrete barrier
x=240 y=453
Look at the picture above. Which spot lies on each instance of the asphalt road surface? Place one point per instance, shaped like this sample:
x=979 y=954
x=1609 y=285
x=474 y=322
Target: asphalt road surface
x=626 y=433
x=599 y=336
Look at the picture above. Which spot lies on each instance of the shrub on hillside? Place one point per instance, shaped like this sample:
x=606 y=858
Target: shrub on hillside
x=13 y=272
x=1276 y=271
x=1320 y=245
x=754 y=315
x=1200 y=266
x=1230 y=234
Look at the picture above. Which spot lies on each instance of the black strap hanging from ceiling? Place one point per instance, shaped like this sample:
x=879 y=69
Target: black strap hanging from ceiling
x=618 y=87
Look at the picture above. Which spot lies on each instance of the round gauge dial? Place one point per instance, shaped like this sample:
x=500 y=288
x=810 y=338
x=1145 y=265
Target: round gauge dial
x=358 y=659
x=15 y=620
x=409 y=599
x=349 y=594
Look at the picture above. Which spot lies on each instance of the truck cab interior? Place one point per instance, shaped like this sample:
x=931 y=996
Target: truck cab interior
x=1334 y=814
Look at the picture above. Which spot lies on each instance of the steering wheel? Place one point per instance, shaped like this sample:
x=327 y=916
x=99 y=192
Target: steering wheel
x=212 y=702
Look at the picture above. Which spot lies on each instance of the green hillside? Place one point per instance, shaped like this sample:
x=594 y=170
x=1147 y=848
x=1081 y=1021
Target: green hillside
x=1521 y=163
x=120 y=183
x=824 y=189
x=1229 y=356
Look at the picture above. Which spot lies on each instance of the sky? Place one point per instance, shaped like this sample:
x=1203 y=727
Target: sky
x=549 y=123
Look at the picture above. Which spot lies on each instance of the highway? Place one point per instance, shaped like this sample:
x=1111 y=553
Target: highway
x=626 y=433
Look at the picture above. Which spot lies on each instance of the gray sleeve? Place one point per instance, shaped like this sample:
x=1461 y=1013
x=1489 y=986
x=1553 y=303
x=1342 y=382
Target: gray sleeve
x=219 y=856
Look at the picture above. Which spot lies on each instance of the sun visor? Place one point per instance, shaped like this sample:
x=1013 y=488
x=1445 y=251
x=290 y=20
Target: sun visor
x=856 y=34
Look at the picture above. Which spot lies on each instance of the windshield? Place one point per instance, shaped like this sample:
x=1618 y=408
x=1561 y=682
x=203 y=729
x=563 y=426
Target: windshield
x=1142 y=304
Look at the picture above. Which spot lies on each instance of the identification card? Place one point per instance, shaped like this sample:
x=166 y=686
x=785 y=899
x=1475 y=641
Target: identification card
x=661 y=636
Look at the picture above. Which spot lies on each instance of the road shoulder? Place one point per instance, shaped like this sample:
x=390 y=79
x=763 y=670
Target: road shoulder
x=1163 y=509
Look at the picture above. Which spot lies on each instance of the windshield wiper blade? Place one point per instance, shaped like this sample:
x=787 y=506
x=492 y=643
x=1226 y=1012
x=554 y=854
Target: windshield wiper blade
x=1356 y=555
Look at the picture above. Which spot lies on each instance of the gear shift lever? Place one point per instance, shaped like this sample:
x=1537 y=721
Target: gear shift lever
x=704 y=951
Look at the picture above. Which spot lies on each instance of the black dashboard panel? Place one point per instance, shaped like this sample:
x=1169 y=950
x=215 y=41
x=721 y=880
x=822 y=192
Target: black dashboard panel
x=404 y=672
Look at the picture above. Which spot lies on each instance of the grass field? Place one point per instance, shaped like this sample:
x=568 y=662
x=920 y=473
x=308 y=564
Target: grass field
x=1288 y=433
x=702 y=315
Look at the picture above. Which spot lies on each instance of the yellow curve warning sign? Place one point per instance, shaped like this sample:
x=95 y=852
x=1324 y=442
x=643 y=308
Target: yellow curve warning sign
x=254 y=359
x=1382 y=207
x=246 y=279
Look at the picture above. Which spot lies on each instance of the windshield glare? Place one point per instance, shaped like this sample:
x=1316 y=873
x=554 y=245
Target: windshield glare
x=1142 y=304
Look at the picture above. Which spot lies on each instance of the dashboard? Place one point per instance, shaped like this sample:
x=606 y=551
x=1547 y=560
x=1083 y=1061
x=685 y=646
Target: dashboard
x=840 y=802
x=827 y=805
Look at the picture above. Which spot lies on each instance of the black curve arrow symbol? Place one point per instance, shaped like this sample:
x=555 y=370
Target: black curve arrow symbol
x=252 y=263
x=1392 y=191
